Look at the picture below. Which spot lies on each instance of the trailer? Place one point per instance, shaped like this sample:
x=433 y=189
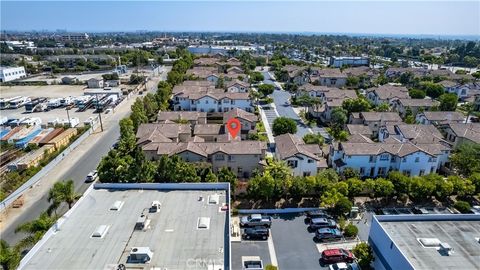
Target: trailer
x=31 y=121
x=85 y=104
x=67 y=101
x=19 y=102
x=53 y=103
x=33 y=105
x=5 y=102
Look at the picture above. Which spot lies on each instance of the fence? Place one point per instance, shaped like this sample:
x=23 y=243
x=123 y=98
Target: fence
x=32 y=181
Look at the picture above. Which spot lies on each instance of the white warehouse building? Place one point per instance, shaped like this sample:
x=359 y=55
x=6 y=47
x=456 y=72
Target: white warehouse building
x=353 y=61
x=11 y=73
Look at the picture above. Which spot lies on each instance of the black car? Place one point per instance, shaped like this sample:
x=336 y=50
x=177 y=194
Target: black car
x=317 y=214
x=256 y=233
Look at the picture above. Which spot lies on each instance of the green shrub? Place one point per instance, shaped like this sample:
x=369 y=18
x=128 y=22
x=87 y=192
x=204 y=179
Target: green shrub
x=462 y=206
x=350 y=231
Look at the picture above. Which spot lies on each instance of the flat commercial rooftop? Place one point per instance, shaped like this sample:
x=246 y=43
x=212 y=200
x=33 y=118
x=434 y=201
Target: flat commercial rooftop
x=461 y=235
x=172 y=234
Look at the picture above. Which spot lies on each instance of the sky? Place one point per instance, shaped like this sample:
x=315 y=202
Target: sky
x=357 y=16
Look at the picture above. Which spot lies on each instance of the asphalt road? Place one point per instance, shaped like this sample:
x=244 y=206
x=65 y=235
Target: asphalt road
x=88 y=162
x=281 y=100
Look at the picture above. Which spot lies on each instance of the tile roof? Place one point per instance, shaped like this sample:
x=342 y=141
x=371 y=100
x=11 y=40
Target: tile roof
x=336 y=93
x=185 y=115
x=440 y=116
x=156 y=132
x=208 y=129
x=359 y=129
x=239 y=113
x=469 y=131
x=316 y=88
x=387 y=91
x=208 y=148
x=398 y=148
x=412 y=102
x=381 y=116
x=288 y=145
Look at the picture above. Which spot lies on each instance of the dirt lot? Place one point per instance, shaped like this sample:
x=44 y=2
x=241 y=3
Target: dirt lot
x=48 y=91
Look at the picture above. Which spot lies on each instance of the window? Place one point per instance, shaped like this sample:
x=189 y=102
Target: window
x=233 y=102
x=231 y=158
x=310 y=160
x=404 y=159
x=393 y=159
x=226 y=101
x=372 y=159
x=206 y=101
x=306 y=174
x=219 y=157
x=292 y=163
x=384 y=157
x=362 y=170
x=417 y=159
x=239 y=170
x=422 y=172
x=349 y=157
x=432 y=169
x=382 y=170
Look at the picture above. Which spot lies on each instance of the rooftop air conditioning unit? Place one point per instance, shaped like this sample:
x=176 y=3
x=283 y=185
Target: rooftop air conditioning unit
x=446 y=248
x=155 y=207
x=142 y=222
x=140 y=255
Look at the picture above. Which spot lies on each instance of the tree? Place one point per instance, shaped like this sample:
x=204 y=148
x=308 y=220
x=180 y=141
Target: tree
x=355 y=187
x=262 y=185
x=364 y=254
x=353 y=81
x=63 y=192
x=349 y=172
x=127 y=142
x=383 y=188
x=432 y=90
x=266 y=89
x=339 y=116
x=383 y=107
x=283 y=125
x=356 y=105
x=416 y=93
x=138 y=115
x=462 y=206
x=448 y=102
x=401 y=182
x=313 y=139
x=256 y=77
x=281 y=174
x=9 y=256
x=35 y=230
x=350 y=230
x=342 y=206
x=466 y=159
x=211 y=177
x=227 y=176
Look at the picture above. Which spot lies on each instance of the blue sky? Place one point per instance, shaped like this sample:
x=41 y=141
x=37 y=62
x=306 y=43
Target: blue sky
x=373 y=17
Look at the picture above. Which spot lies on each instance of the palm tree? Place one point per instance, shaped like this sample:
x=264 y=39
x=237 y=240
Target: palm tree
x=63 y=192
x=9 y=256
x=35 y=230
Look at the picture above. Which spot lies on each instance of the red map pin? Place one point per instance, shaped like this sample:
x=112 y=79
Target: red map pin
x=233 y=126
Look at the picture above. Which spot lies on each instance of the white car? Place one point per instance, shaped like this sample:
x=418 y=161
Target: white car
x=91 y=176
x=339 y=266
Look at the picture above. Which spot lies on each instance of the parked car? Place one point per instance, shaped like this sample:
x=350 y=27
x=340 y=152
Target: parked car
x=91 y=176
x=337 y=255
x=338 y=266
x=256 y=233
x=256 y=220
x=318 y=223
x=317 y=214
x=328 y=234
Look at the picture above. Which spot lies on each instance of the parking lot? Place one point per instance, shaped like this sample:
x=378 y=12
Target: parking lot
x=289 y=244
x=50 y=91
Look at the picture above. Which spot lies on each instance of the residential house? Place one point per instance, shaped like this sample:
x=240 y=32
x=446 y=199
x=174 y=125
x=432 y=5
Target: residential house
x=459 y=134
x=248 y=121
x=179 y=117
x=304 y=159
x=331 y=99
x=210 y=132
x=377 y=159
x=339 y=61
x=385 y=94
x=202 y=72
x=415 y=105
x=461 y=90
x=439 y=118
x=237 y=86
x=242 y=157
x=357 y=129
x=394 y=72
x=295 y=74
x=330 y=77
x=374 y=120
x=235 y=70
x=205 y=61
x=312 y=90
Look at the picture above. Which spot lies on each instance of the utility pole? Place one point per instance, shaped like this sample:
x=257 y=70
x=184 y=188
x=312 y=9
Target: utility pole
x=99 y=114
x=68 y=116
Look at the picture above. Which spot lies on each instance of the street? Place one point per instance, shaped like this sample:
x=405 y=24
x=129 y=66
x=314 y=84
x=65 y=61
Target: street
x=281 y=99
x=76 y=166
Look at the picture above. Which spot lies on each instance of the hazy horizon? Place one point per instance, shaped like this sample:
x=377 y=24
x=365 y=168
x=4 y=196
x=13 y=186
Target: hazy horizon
x=362 y=18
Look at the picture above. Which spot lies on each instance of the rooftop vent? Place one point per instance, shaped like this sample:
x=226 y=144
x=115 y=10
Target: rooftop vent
x=117 y=205
x=214 y=199
x=203 y=223
x=155 y=207
x=100 y=231
x=445 y=249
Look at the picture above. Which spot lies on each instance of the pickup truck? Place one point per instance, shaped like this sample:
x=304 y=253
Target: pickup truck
x=256 y=220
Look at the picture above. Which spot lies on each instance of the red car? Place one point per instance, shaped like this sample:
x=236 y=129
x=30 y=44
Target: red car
x=337 y=255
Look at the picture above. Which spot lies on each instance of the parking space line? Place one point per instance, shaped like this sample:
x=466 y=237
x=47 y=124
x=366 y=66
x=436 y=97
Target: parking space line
x=271 y=250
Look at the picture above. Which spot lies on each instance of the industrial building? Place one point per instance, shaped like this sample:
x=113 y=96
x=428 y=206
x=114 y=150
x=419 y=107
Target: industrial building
x=140 y=226
x=12 y=73
x=421 y=242
x=352 y=61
